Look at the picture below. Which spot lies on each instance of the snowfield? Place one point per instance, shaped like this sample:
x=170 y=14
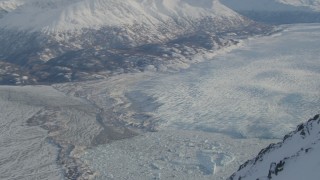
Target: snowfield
x=38 y=124
x=25 y=152
x=313 y=4
x=198 y=123
x=274 y=5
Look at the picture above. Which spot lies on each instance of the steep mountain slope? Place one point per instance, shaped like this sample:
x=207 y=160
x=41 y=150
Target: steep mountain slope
x=80 y=36
x=295 y=158
x=278 y=11
x=61 y=16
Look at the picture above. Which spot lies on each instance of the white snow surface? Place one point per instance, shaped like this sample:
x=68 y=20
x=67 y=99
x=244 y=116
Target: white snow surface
x=251 y=96
x=26 y=151
x=210 y=117
x=62 y=15
x=314 y=4
x=273 y=5
x=178 y=154
x=300 y=152
x=243 y=93
x=9 y=5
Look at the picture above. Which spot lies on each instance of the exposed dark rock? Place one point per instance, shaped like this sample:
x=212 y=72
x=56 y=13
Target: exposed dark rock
x=100 y=57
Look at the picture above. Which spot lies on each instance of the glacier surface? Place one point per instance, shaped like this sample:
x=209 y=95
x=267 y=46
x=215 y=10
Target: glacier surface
x=207 y=119
x=251 y=96
x=260 y=90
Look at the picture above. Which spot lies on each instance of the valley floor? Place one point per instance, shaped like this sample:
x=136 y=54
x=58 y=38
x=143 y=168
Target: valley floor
x=199 y=123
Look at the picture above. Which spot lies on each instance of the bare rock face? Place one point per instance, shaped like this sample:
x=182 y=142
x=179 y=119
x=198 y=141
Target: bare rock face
x=293 y=158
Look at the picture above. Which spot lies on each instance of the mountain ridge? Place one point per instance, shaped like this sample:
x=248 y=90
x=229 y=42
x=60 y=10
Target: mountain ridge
x=60 y=16
x=293 y=158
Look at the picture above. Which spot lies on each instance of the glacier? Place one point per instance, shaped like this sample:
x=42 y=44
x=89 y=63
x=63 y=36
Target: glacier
x=244 y=92
x=248 y=96
x=197 y=121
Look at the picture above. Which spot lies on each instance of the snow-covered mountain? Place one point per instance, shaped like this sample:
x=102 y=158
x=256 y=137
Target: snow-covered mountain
x=95 y=34
x=61 y=15
x=116 y=23
x=277 y=11
x=313 y=4
x=273 y=5
x=295 y=158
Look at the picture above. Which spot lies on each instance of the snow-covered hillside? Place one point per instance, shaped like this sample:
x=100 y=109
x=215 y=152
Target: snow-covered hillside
x=313 y=4
x=277 y=11
x=273 y=5
x=131 y=21
x=61 y=15
x=59 y=40
x=295 y=158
